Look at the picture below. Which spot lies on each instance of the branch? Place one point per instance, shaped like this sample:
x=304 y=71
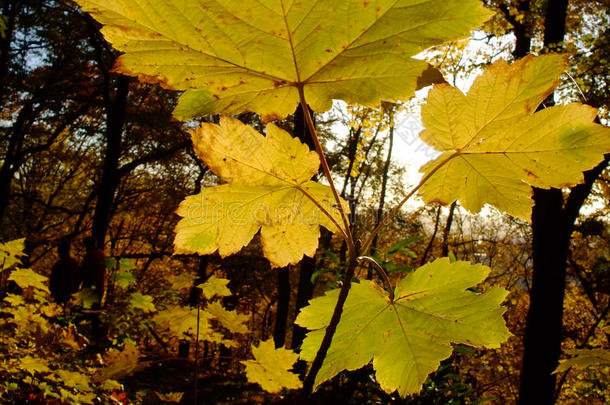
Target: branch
x=152 y=157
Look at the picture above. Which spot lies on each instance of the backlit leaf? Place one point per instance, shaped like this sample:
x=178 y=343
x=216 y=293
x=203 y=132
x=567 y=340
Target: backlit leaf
x=28 y=278
x=215 y=286
x=268 y=188
x=143 y=302
x=496 y=147
x=234 y=56
x=10 y=252
x=584 y=358
x=270 y=366
x=406 y=339
x=123 y=278
x=231 y=320
x=180 y=320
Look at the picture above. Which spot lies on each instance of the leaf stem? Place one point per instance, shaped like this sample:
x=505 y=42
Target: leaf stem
x=310 y=378
x=314 y=135
x=394 y=210
x=381 y=272
x=317 y=204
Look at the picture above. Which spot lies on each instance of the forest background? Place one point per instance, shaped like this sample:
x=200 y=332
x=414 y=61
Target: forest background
x=86 y=151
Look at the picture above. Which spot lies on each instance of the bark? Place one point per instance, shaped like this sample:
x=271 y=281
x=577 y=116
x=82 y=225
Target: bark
x=552 y=226
x=308 y=264
x=447 y=230
x=115 y=104
x=283 y=302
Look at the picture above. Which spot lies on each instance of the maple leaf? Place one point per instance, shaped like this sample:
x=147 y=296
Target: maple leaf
x=233 y=56
x=229 y=319
x=10 y=252
x=495 y=146
x=180 y=320
x=584 y=358
x=73 y=379
x=269 y=188
x=29 y=278
x=270 y=366
x=215 y=286
x=182 y=281
x=120 y=363
x=143 y=302
x=408 y=337
x=170 y=396
x=33 y=365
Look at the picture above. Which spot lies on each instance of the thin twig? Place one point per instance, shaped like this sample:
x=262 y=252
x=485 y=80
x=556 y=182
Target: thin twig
x=381 y=272
x=314 y=135
x=394 y=210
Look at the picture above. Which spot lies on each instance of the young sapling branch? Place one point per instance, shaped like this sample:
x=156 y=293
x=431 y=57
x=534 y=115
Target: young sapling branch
x=381 y=272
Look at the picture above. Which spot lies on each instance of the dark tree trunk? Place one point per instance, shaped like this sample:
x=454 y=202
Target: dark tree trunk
x=283 y=302
x=304 y=294
x=552 y=225
x=308 y=264
x=115 y=104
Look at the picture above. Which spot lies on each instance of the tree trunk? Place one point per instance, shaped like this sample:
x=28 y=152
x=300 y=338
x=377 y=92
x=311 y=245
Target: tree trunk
x=552 y=226
x=283 y=302
x=308 y=264
x=115 y=119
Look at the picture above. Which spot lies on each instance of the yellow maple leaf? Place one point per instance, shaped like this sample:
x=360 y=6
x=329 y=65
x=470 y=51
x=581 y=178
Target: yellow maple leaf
x=74 y=379
x=269 y=188
x=181 y=281
x=229 y=319
x=180 y=320
x=270 y=366
x=28 y=278
x=234 y=56
x=120 y=363
x=215 y=286
x=170 y=396
x=33 y=365
x=10 y=252
x=494 y=147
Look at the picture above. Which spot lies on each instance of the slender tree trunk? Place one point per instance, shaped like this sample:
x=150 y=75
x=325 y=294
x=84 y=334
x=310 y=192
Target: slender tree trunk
x=381 y=206
x=115 y=119
x=308 y=264
x=283 y=302
x=552 y=225
x=447 y=230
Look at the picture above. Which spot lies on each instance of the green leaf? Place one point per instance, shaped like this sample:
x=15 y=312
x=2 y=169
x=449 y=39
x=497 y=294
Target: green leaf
x=268 y=188
x=232 y=57
x=270 y=366
x=402 y=244
x=143 y=302
x=215 y=286
x=123 y=278
x=497 y=148
x=28 y=278
x=126 y=264
x=584 y=358
x=406 y=338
